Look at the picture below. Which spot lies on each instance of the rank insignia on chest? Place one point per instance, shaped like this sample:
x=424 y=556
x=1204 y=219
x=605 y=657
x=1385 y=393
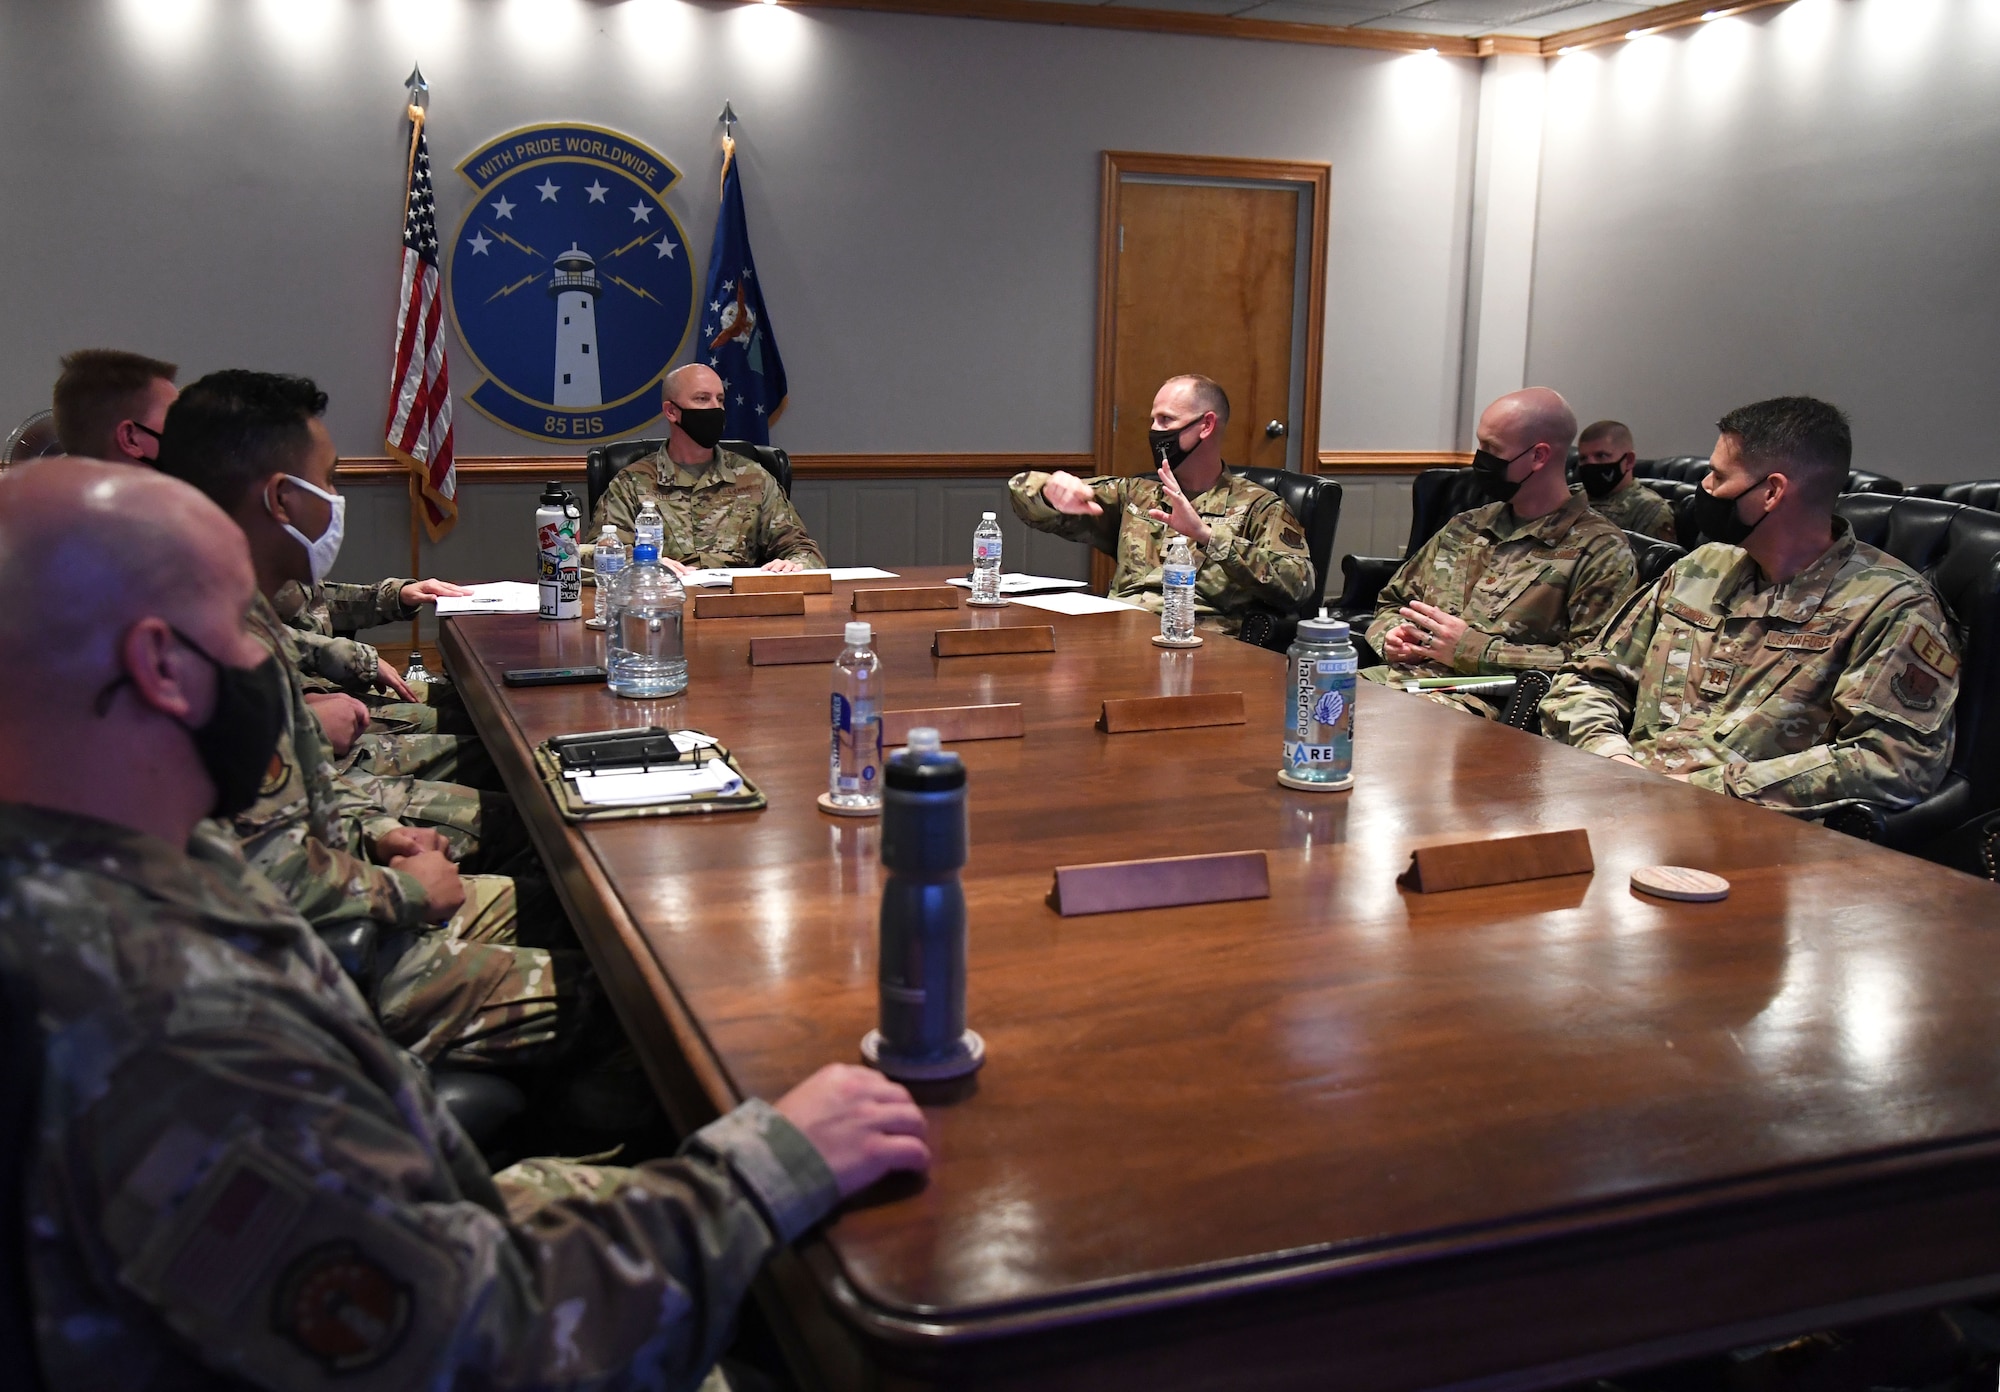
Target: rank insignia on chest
x=1716 y=676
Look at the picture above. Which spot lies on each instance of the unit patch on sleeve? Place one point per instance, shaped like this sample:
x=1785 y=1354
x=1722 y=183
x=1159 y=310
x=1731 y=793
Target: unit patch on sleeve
x=341 y=1307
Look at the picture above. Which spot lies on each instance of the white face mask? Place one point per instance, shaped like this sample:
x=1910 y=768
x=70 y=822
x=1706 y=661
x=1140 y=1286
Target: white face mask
x=320 y=554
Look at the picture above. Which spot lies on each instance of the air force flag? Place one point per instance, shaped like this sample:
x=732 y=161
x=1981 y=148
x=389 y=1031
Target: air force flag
x=735 y=332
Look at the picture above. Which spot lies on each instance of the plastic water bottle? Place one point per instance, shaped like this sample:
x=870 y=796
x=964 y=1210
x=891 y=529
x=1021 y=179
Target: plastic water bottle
x=986 y=561
x=609 y=558
x=416 y=671
x=921 y=1033
x=854 y=774
x=558 y=558
x=1319 y=717
x=1177 y=572
x=650 y=526
x=649 y=659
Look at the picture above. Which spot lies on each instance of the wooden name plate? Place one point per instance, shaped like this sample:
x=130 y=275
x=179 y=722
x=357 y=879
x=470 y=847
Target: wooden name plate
x=1501 y=860
x=795 y=651
x=748 y=606
x=915 y=597
x=818 y=582
x=1116 y=885
x=1171 y=712
x=983 y=642
x=956 y=724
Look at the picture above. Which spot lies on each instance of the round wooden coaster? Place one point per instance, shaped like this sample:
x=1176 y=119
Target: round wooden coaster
x=1160 y=640
x=1286 y=780
x=986 y=604
x=971 y=1053
x=1679 y=882
x=827 y=804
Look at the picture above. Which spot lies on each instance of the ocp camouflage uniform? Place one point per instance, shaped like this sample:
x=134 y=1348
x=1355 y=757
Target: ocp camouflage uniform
x=471 y=988
x=404 y=739
x=1257 y=555
x=236 y=1178
x=1531 y=593
x=1837 y=684
x=727 y=513
x=1635 y=508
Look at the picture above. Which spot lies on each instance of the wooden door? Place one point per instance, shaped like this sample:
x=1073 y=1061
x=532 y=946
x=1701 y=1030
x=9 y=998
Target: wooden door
x=1206 y=279
x=1203 y=268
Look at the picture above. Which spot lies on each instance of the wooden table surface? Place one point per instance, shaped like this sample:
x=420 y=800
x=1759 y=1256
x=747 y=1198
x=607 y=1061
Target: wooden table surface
x=1522 y=1134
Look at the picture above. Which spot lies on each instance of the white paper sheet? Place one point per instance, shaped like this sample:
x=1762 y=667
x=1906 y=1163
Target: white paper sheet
x=657 y=785
x=498 y=597
x=1016 y=583
x=718 y=575
x=1076 y=604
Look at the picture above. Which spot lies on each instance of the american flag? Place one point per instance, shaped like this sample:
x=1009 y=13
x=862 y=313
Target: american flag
x=419 y=429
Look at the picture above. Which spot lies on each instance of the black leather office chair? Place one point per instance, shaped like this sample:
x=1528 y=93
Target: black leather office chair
x=20 y=1111
x=607 y=462
x=1957 y=549
x=1862 y=481
x=1653 y=556
x=1979 y=493
x=1436 y=496
x=1682 y=468
x=1315 y=502
x=484 y=1104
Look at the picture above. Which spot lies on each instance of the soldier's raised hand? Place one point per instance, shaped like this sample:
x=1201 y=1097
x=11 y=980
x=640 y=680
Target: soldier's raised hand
x=1067 y=493
x=862 y=1124
x=1179 y=513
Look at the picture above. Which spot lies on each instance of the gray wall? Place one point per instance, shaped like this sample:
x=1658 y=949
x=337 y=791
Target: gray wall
x=1802 y=199
x=218 y=181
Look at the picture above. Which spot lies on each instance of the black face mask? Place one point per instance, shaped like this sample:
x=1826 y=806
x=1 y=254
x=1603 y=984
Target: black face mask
x=1599 y=480
x=236 y=741
x=1492 y=472
x=702 y=424
x=1166 y=444
x=1718 y=519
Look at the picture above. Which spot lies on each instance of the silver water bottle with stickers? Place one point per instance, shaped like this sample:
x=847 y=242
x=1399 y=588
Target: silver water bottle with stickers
x=558 y=555
x=1319 y=713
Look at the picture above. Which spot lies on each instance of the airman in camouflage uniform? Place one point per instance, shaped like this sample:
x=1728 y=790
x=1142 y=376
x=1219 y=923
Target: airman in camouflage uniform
x=1837 y=684
x=1636 y=508
x=235 y=1176
x=1257 y=554
x=1605 y=459
x=727 y=512
x=471 y=989
x=429 y=738
x=1531 y=593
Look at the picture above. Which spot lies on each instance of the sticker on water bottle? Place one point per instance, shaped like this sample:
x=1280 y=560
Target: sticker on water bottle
x=1329 y=708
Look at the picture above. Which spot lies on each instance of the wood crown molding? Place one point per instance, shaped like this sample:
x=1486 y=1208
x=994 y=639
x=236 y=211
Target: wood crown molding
x=1161 y=22
x=1660 y=17
x=1337 y=462
x=528 y=468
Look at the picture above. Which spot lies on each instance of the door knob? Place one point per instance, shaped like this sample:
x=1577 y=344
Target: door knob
x=1275 y=430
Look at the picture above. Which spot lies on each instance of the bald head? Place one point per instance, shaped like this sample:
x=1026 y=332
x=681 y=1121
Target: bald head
x=100 y=546
x=1521 y=420
x=694 y=384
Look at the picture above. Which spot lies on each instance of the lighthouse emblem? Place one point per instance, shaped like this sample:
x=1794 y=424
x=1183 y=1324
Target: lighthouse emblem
x=569 y=281
x=575 y=288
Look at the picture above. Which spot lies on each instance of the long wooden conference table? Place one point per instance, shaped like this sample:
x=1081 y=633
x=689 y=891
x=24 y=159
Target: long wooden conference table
x=1348 y=1136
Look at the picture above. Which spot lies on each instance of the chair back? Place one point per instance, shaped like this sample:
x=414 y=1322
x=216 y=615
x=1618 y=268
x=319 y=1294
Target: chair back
x=1979 y=493
x=1957 y=549
x=1437 y=496
x=1682 y=468
x=1862 y=481
x=607 y=462
x=1315 y=502
x=20 y=1114
x=1654 y=557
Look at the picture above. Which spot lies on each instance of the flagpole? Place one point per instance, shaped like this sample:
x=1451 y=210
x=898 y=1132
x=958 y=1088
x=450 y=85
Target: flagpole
x=417 y=87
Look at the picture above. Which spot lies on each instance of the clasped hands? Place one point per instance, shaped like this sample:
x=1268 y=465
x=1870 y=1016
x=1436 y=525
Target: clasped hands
x=423 y=854
x=1427 y=634
x=1067 y=493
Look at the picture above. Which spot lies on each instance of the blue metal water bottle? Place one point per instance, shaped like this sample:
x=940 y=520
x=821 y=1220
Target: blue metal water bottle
x=922 y=1035
x=1319 y=714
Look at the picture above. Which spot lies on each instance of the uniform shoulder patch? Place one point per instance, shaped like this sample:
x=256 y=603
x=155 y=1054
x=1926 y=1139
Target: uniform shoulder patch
x=1934 y=651
x=1915 y=687
x=341 y=1308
